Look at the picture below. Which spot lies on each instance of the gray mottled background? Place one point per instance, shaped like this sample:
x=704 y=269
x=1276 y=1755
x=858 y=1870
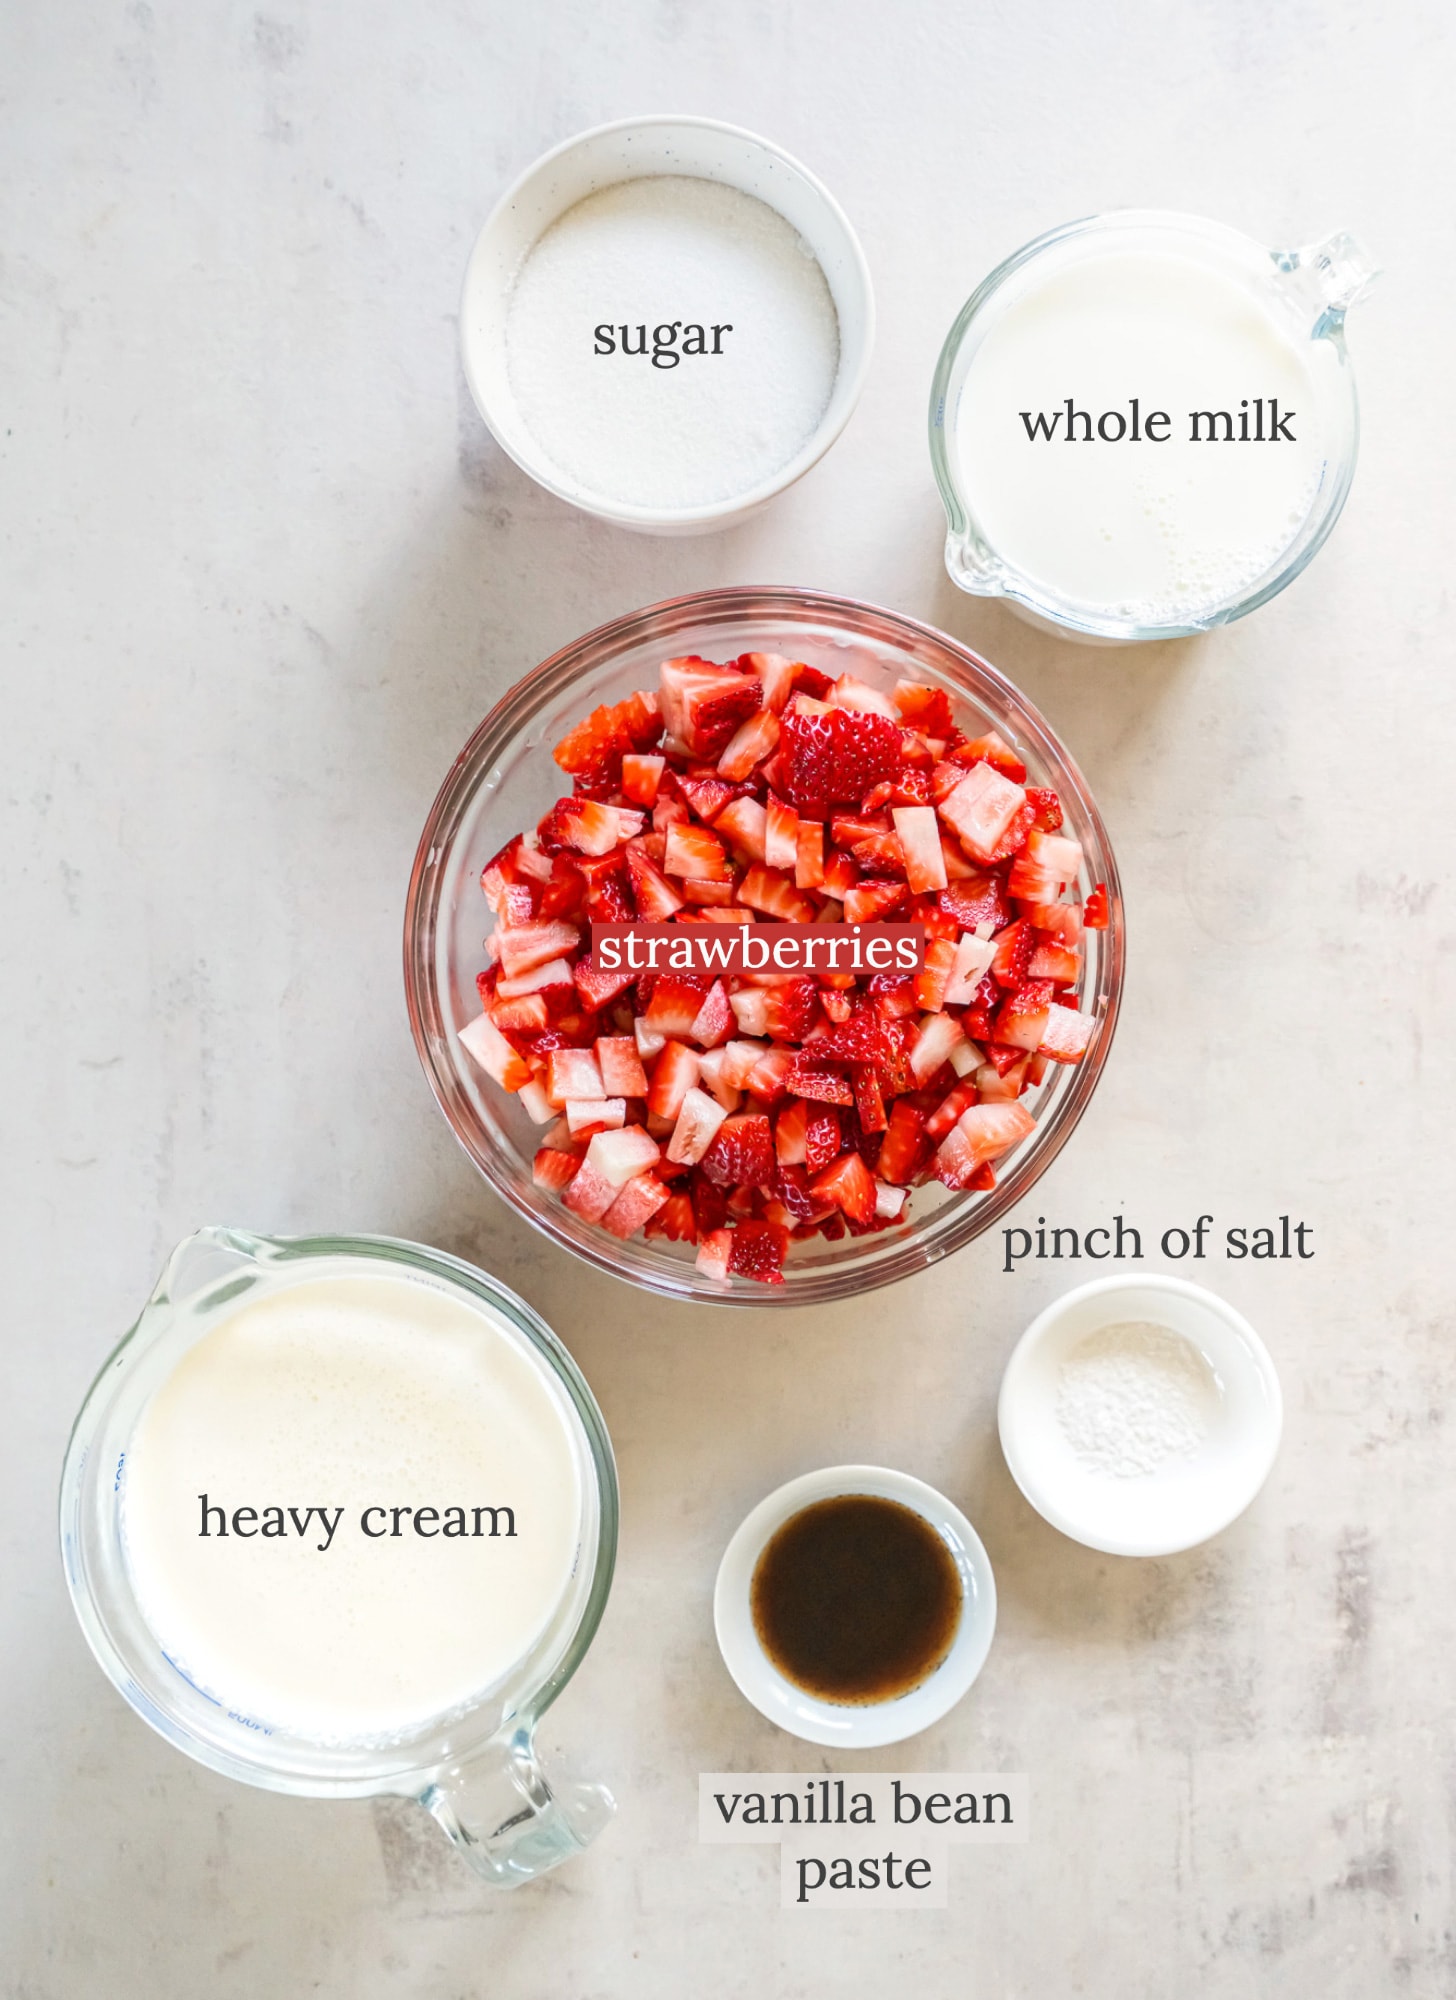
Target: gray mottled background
x=263 y=570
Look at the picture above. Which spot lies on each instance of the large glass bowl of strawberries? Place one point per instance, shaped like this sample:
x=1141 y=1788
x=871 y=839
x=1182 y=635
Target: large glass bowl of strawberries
x=763 y=756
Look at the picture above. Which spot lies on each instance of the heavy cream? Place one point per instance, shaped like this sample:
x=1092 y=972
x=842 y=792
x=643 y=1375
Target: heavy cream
x=1137 y=434
x=354 y=1505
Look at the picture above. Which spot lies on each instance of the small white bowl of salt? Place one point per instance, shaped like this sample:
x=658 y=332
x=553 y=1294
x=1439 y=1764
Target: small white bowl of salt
x=666 y=321
x=1140 y=1415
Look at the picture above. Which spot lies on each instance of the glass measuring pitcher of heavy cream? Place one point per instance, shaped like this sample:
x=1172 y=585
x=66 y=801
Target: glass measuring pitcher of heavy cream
x=338 y=1518
x=1144 y=424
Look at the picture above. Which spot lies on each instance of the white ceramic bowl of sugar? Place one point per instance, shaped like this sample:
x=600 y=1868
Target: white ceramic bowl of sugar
x=1126 y=1464
x=630 y=150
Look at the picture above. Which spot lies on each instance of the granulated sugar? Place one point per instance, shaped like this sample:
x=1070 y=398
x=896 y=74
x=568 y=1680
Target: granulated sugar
x=738 y=325
x=1132 y=1396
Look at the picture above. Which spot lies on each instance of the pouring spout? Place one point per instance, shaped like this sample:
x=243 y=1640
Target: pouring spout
x=1330 y=276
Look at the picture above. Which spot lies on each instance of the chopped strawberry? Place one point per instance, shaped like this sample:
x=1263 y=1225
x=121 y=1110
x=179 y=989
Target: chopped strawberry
x=781 y=836
x=980 y=809
x=596 y=985
x=706 y=793
x=1021 y=1022
x=919 y=839
x=992 y=750
x=946 y=1113
x=1047 y=807
x=554 y=1169
x=776 y=674
x=1021 y=826
x=757 y=1251
x=825 y=1086
x=714 y=1021
x=590 y=1194
x=872 y=901
x=789 y=1010
x=869 y=1102
x=932 y=981
x=936 y=1037
x=791 y=1184
x=791 y=1133
x=529 y=945
x=641 y=777
x=849 y=1184
x=835 y=757
x=809 y=855
x=1013 y=954
x=774 y=894
x=674 y=1073
x=924 y=708
x=840 y=875
x=750 y=743
x=1055 y=962
x=573 y=1073
x=880 y=854
x=485 y=1042
x=655 y=896
x=621 y=1066
x=714 y=1253
x=674 y=1220
x=862 y=1038
x=702 y=704
x=693 y=850
x=904 y=1143
x=638 y=1202
x=981 y=900
x=1095 y=912
x=676 y=1000
x=745 y=824
x=742 y=1152
x=821 y=1137
x=1066 y=1034
x=526 y=1015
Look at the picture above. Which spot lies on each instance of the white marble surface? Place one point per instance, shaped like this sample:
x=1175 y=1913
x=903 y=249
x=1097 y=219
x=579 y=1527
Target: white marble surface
x=262 y=573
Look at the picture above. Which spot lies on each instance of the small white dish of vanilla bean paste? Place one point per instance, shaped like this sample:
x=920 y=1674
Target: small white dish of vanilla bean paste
x=1140 y=1415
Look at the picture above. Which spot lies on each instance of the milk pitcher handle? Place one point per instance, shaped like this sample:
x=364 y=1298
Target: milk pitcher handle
x=1330 y=277
x=506 y=1820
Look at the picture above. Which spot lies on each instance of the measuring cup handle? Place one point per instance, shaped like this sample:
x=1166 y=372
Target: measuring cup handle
x=1330 y=276
x=505 y=1818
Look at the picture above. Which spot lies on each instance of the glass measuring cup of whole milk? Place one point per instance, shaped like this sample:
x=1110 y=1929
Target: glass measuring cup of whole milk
x=338 y=1518
x=1144 y=424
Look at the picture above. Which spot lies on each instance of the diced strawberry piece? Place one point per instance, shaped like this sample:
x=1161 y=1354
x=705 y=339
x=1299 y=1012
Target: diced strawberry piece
x=573 y=1073
x=638 y=1202
x=997 y=1086
x=586 y=1115
x=620 y=1155
x=741 y=1153
x=714 y=1021
x=789 y=1010
x=1095 y=911
x=904 y=1143
x=973 y=956
x=713 y=1254
x=745 y=824
x=1047 y=807
x=821 y=1137
x=529 y=945
x=706 y=793
x=655 y=896
x=621 y=1066
x=693 y=850
x=750 y=1009
x=703 y=704
x=981 y=1134
x=840 y=875
x=781 y=835
x=774 y=894
x=838 y=1006
x=1055 y=853
x=776 y=674
x=937 y=1036
x=862 y=1038
x=552 y=981
x=980 y=809
x=673 y=1075
x=485 y=1042
x=1022 y=1019
x=708 y=895
x=1066 y=1034
x=933 y=978
x=590 y=1194
x=981 y=900
x=526 y=1015
x=924 y=708
x=835 y=757
x=676 y=1000
x=500 y=872
x=749 y=744
x=642 y=778
x=766 y=1078
x=674 y=1220
x=825 y=1086
x=949 y=1110
x=791 y=1184
x=1061 y=922
x=1023 y=824
x=582 y=824
x=758 y=1252
x=848 y=829
x=881 y=854
x=1054 y=962
x=869 y=1103
x=1029 y=884
x=919 y=838
x=554 y=1170
x=993 y=750
x=597 y=986
x=713 y=1074
x=809 y=855
x=889 y=1202
x=1014 y=947
x=871 y=901
x=849 y=1184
